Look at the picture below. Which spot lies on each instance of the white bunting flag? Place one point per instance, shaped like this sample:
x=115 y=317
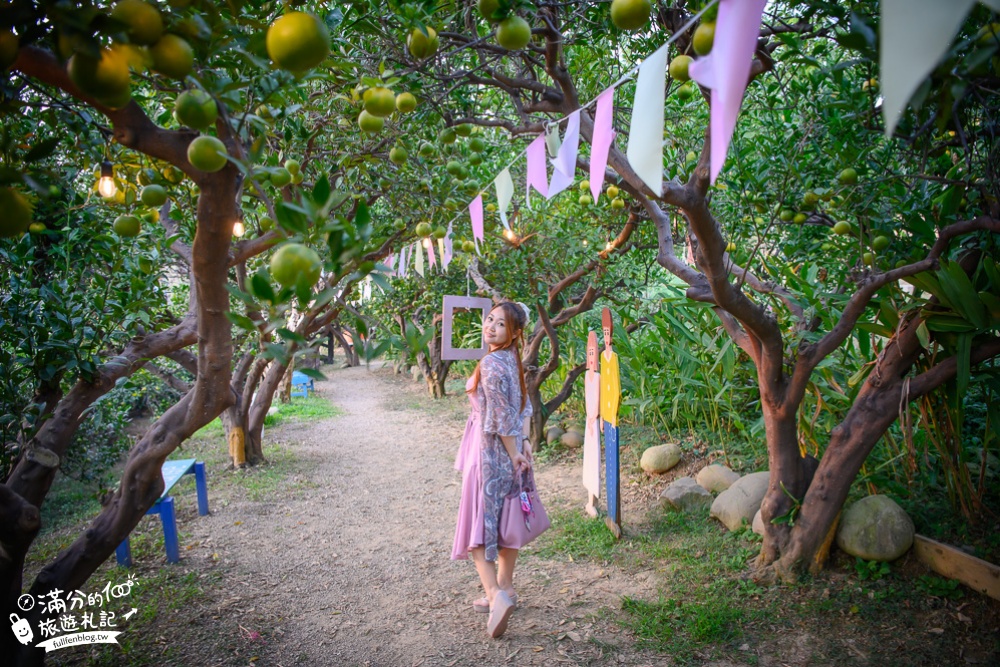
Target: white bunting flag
x=505 y=191
x=419 y=257
x=564 y=164
x=645 y=135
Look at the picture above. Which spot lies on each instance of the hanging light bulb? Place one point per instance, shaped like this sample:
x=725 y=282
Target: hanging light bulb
x=238 y=228
x=509 y=233
x=106 y=186
x=584 y=242
x=427 y=242
x=609 y=246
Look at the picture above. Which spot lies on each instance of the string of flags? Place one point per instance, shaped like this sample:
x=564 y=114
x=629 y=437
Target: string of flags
x=725 y=70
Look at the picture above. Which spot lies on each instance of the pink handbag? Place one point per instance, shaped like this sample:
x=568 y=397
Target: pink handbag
x=523 y=517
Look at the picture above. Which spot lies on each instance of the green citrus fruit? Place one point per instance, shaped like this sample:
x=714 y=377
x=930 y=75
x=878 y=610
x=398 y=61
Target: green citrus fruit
x=439 y=232
x=841 y=228
x=475 y=159
x=297 y=178
x=423 y=229
x=294 y=262
x=468 y=246
x=297 y=42
x=144 y=24
x=513 y=33
x=151 y=216
x=679 y=68
x=398 y=155
x=427 y=149
x=477 y=145
x=454 y=167
x=630 y=14
x=37 y=227
x=406 y=102
x=207 y=154
x=810 y=199
x=491 y=207
x=153 y=195
x=422 y=46
x=800 y=218
x=172 y=174
x=868 y=258
x=848 y=176
x=487 y=8
x=127 y=225
x=172 y=56
x=617 y=203
x=266 y=223
x=195 y=109
x=106 y=78
x=612 y=191
x=880 y=243
x=787 y=215
x=585 y=200
x=463 y=129
x=584 y=185
x=369 y=123
x=704 y=37
x=379 y=101
x=447 y=135
x=9 y=44
x=293 y=166
x=451 y=204
x=280 y=177
x=17 y=212
x=730 y=247
x=685 y=92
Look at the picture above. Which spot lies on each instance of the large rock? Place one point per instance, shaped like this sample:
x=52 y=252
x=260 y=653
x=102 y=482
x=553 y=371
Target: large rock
x=571 y=439
x=716 y=477
x=741 y=501
x=758 y=523
x=416 y=373
x=660 y=458
x=875 y=528
x=575 y=428
x=686 y=494
x=553 y=434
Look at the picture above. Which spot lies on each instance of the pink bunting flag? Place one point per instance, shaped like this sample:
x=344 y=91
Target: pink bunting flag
x=726 y=70
x=431 y=259
x=536 y=169
x=476 y=213
x=391 y=263
x=600 y=145
x=449 y=249
x=565 y=161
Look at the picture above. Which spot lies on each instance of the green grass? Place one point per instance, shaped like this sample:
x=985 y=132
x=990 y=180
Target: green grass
x=308 y=409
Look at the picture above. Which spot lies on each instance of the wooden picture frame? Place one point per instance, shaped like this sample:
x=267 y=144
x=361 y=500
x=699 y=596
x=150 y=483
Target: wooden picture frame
x=449 y=304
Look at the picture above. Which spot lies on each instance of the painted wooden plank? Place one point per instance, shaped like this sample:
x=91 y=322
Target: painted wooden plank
x=953 y=563
x=172 y=471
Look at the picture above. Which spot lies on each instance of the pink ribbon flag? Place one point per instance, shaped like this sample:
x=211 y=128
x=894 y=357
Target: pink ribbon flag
x=536 y=169
x=600 y=145
x=430 y=255
x=476 y=213
x=449 y=249
x=726 y=70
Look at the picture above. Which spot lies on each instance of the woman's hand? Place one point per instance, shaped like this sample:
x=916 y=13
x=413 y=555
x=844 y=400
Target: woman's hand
x=521 y=463
x=528 y=454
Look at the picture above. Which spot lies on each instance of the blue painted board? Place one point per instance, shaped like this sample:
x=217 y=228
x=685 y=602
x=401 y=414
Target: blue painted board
x=172 y=471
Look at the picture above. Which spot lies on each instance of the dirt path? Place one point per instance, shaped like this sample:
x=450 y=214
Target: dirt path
x=355 y=569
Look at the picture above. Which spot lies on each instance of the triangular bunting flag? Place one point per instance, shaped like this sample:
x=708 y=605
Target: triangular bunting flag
x=401 y=272
x=565 y=162
x=726 y=70
x=600 y=145
x=431 y=259
x=505 y=190
x=537 y=177
x=645 y=135
x=444 y=264
x=448 y=251
x=476 y=213
x=419 y=257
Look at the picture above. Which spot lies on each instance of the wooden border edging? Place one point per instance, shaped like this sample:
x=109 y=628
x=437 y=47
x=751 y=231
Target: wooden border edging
x=954 y=563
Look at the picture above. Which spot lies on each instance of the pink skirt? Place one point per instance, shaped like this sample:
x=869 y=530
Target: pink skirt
x=469 y=524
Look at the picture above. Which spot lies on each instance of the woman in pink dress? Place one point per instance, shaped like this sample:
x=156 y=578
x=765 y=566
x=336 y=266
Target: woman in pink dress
x=494 y=447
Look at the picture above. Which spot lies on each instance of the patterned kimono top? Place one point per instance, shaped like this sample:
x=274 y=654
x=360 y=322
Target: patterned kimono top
x=499 y=394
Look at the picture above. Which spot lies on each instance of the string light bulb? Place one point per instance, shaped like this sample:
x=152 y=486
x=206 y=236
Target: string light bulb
x=106 y=185
x=609 y=246
x=239 y=229
x=427 y=242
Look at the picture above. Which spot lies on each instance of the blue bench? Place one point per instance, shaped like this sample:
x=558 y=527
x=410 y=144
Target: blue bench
x=302 y=384
x=172 y=472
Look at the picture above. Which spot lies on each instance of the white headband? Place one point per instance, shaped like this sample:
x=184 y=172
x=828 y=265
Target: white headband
x=527 y=313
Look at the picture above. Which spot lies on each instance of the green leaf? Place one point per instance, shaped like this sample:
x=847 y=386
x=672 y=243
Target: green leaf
x=963 y=296
x=260 y=286
x=312 y=373
x=288 y=334
x=923 y=335
x=321 y=191
x=42 y=150
x=963 y=357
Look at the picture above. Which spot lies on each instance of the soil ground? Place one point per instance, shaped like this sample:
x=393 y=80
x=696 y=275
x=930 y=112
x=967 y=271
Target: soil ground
x=343 y=559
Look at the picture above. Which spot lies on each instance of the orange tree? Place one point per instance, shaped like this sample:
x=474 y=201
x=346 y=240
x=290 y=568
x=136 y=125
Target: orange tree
x=911 y=221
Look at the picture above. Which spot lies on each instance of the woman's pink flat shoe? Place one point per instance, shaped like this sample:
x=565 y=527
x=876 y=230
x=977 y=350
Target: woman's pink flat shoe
x=482 y=605
x=503 y=607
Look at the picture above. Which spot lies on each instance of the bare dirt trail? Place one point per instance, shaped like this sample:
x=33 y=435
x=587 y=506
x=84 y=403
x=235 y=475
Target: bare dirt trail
x=354 y=569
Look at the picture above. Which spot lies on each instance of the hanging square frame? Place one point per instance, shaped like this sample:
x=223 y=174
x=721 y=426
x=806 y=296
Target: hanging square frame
x=449 y=304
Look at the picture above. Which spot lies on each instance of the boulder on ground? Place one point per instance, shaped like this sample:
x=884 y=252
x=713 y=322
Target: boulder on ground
x=660 y=458
x=741 y=501
x=416 y=373
x=571 y=439
x=758 y=523
x=552 y=434
x=875 y=528
x=716 y=477
x=575 y=428
x=686 y=494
